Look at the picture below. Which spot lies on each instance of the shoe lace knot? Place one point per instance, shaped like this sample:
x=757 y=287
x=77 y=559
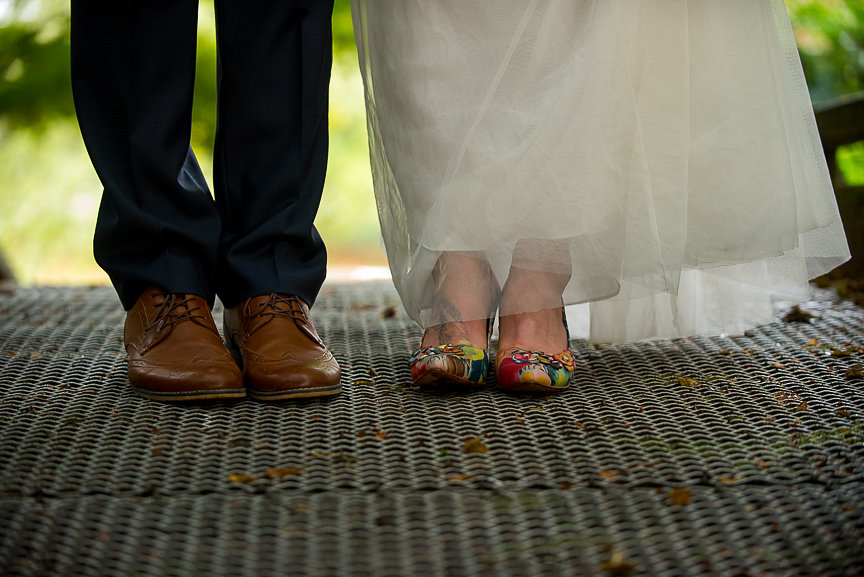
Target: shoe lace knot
x=176 y=308
x=278 y=305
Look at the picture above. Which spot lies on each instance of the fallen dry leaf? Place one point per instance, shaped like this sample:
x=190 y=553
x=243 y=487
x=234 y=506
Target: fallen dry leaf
x=733 y=480
x=686 y=382
x=475 y=446
x=242 y=478
x=460 y=478
x=279 y=472
x=798 y=315
x=856 y=371
x=843 y=413
x=618 y=565
x=388 y=312
x=364 y=382
x=802 y=407
x=608 y=474
x=381 y=435
x=346 y=458
x=679 y=496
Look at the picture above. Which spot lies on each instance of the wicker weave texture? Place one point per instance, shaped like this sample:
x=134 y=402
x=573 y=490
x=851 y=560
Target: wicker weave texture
x=728 y=456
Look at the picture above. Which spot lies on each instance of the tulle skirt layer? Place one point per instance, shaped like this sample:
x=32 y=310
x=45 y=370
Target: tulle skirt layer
x=659 y=156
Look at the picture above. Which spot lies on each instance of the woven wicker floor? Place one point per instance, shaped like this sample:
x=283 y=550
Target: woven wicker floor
x=727 y=456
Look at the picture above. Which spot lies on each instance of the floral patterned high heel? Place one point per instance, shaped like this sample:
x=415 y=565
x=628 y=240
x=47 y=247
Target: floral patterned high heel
x=451 y=365
x=533 y=371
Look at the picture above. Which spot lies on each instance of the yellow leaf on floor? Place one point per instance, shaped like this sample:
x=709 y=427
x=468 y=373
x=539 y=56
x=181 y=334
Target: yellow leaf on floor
x=475 y=446
x=680 y=496
x=279 y=472
x=242 y=478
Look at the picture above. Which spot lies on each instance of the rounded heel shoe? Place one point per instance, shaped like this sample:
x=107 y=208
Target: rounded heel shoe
x=519 y=370
x=451 y=365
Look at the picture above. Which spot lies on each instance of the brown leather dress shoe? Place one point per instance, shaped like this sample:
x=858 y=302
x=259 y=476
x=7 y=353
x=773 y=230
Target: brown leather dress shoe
x=272 y=338
x=175 y=352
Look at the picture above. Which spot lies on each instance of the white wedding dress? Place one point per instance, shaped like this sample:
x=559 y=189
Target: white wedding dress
x=663 y=153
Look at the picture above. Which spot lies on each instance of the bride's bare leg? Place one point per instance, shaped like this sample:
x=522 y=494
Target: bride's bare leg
x=542 y=328
x=465 y=297
x=531 y=299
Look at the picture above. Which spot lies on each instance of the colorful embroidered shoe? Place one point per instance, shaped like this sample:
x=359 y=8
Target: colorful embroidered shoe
x=451 y=365
x=533 y=371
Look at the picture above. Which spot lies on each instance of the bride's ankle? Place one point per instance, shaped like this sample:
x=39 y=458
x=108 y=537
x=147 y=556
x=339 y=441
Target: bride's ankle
x=456 y=333
x=542 y=331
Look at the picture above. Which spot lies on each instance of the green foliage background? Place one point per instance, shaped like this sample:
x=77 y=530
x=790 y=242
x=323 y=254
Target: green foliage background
x=49 y=194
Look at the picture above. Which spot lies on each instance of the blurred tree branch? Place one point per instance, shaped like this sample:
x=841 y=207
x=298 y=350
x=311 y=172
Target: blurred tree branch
x=830 y=38
x=34 y=67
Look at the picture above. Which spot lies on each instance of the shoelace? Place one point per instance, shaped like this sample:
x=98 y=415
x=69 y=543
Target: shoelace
x=295 y=311
x=174 y=309
x=269 y=309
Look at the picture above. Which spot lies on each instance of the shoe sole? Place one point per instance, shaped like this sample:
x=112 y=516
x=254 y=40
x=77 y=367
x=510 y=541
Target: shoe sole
x=260 y=395
x=437 y=379
x=190 y=395
x=294 y=394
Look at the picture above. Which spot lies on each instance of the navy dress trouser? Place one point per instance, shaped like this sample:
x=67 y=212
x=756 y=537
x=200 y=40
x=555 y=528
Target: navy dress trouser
x=133 y=69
